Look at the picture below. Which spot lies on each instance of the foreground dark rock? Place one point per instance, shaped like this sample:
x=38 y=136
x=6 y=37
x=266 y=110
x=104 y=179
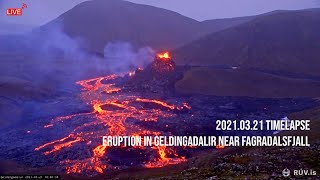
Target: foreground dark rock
x=199 y=120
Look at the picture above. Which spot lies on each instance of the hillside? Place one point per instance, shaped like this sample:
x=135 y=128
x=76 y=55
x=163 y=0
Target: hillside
x=285 y=42
x=229 y=82
x=98 y=22
x=216 y=25
x=102 y=21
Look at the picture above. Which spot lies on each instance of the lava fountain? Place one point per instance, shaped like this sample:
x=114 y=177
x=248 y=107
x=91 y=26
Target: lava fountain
x=163 y=63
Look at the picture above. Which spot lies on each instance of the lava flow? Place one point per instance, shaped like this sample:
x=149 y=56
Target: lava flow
x=113 y=113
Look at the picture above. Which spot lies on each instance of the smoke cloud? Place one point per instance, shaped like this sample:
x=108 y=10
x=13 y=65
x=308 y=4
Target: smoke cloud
x=122 y=56
x=52 y=57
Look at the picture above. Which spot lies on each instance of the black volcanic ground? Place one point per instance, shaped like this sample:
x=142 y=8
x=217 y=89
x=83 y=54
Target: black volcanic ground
x=199 y=120
x=243 y=68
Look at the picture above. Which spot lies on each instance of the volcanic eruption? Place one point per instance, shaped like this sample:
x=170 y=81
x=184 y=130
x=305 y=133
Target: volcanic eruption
x=115 y=112
x=162 y=63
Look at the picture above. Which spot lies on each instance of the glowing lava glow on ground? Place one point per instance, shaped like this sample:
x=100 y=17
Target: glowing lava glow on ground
x=111 y=113
x=164 y=55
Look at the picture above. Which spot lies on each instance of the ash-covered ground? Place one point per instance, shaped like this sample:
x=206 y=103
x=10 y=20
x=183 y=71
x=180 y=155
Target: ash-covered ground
x=65 y=131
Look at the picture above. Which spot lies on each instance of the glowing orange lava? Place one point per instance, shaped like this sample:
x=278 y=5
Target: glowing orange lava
x=163 y=160
x=164 y=55
x=220 y=146
x=110 y=112
x=47 y=126
x=99 y=151
x=156 y=102
x=132 y=73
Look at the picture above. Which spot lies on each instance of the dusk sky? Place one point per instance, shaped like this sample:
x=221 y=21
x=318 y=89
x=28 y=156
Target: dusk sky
x=42 y=11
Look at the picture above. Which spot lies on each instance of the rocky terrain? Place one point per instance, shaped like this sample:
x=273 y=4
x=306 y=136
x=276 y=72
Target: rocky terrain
x=199 y=120
x=62 y=88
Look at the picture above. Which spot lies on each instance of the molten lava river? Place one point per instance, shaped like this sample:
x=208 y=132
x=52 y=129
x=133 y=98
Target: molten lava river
x=115 y=114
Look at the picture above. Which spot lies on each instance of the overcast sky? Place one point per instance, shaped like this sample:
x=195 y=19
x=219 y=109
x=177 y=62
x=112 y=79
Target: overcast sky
x=42 y=11
x=214 y=9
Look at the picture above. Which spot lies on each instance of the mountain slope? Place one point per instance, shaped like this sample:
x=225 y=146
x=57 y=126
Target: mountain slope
x=287 y=41
x=101 y=21
x=216 y=25
x=231 y=82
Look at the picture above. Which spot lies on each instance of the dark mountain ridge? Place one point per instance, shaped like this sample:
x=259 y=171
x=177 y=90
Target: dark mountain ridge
x=282 y=42
x=98 y=22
